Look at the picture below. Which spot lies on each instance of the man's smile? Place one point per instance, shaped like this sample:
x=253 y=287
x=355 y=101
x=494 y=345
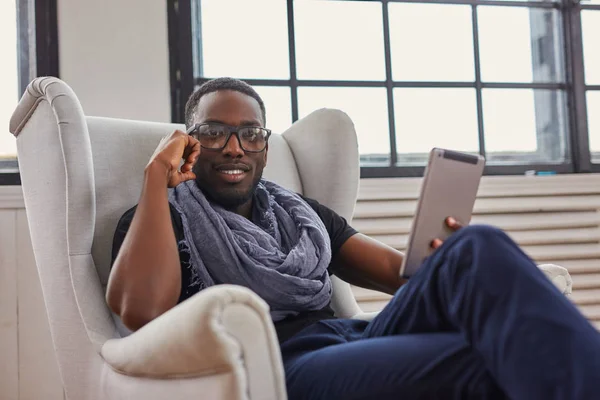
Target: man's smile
x=232 y=173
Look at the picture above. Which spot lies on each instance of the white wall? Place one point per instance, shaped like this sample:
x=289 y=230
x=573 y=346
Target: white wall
x=114 y=54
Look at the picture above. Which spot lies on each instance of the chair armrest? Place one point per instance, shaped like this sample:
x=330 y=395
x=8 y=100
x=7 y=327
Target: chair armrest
x=559 y=276
x=366 y=316
x=225 y=328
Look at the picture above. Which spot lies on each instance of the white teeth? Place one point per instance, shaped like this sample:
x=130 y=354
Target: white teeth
x=233 y=171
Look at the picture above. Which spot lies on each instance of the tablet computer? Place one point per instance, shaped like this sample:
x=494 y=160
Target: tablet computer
x=449 y=189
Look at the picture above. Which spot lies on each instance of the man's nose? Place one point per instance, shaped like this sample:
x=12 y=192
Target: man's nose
x=233 y=147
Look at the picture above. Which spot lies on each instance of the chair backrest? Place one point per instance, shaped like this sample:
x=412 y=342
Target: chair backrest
x=80 y=174
x=121 y=149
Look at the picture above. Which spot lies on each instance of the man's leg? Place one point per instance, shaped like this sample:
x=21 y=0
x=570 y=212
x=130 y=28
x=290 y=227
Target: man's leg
x=534 y=342
x=423 y=366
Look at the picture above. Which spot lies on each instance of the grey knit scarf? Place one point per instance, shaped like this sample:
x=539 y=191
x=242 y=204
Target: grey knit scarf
x=282 y=254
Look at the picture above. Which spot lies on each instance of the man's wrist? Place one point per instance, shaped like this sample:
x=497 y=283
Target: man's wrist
x=157 y=170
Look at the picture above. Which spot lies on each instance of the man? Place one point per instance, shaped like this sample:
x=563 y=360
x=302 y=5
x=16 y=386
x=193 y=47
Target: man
x=479 y=320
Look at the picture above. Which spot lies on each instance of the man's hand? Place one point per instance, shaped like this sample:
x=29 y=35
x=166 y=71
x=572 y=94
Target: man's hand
x=171 y=149
x=453 y=224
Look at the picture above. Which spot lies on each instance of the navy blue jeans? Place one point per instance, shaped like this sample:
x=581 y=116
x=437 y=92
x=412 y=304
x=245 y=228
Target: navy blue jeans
x=479 y=320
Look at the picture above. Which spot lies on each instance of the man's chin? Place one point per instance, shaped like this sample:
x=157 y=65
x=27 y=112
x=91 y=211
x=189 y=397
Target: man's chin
x=228 y=198
x=233 y=200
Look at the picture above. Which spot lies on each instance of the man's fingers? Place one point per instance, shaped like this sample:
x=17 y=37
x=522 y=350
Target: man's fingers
x=189 y=158
x=435 y=243
x=186 y=167
x=193 y=141
x=189 y=163
x=191 y=151
x=180 y=177
x=187 y=176
x=185 y=173
x=453 y=224
x=193 y=156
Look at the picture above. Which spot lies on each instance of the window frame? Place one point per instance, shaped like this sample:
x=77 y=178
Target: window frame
x=37 y=36
x=579 y=157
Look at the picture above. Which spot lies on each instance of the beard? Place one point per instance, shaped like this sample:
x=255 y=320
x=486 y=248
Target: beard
x=231 y=197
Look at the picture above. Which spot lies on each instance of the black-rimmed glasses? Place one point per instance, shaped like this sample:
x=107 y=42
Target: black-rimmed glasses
x=214 y=136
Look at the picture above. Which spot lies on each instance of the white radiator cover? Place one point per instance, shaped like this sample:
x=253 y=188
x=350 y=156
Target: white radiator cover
x=28 y=368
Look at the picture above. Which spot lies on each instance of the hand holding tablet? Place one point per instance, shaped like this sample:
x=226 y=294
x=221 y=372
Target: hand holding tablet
x=451 y=223
x=449 y=189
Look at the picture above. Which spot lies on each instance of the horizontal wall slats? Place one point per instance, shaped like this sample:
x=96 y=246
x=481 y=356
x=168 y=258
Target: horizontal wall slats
x=524 y=238
x=586 y=281
x=582 y=266
x=507 y=221
x=591 y=312
x=586 y=296
x=496 y=205
x=491 y=186
x=556 y=219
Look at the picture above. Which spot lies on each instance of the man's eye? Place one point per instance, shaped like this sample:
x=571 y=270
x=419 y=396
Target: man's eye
x=212 y=133
x=249 y=135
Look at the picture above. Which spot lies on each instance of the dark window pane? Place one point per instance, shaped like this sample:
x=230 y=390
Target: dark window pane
x=339 y=40
x=9 y=76
x=431 y=42
x=278 y=104
x=524 y=125
x=590 y=26
x=519 y=44
x=366 y=106
x=240 y=38
x=434 y=117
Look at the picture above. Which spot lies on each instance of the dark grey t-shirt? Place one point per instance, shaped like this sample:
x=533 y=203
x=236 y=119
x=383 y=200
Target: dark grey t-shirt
x=337 y=227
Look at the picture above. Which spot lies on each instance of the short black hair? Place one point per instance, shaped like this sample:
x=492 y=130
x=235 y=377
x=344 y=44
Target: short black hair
x=221 y=84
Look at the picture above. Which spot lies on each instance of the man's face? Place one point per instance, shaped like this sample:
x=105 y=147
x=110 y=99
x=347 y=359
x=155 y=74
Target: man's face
x=214 y=167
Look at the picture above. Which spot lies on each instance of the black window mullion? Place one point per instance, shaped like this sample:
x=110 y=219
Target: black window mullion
x=46 y=37
x=181 y=63
x=576 y=97
x=500 y=3
x=528 y=85
x=389 y=84
x=292 y=54
x=478 y=85
x=405 y=84
x=589 y=6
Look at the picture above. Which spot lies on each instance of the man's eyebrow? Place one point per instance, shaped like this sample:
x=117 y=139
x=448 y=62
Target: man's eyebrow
x=243 y=123
x=250 y=123
x=213 y=120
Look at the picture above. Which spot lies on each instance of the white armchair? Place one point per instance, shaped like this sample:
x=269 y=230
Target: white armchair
x=79 y=174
